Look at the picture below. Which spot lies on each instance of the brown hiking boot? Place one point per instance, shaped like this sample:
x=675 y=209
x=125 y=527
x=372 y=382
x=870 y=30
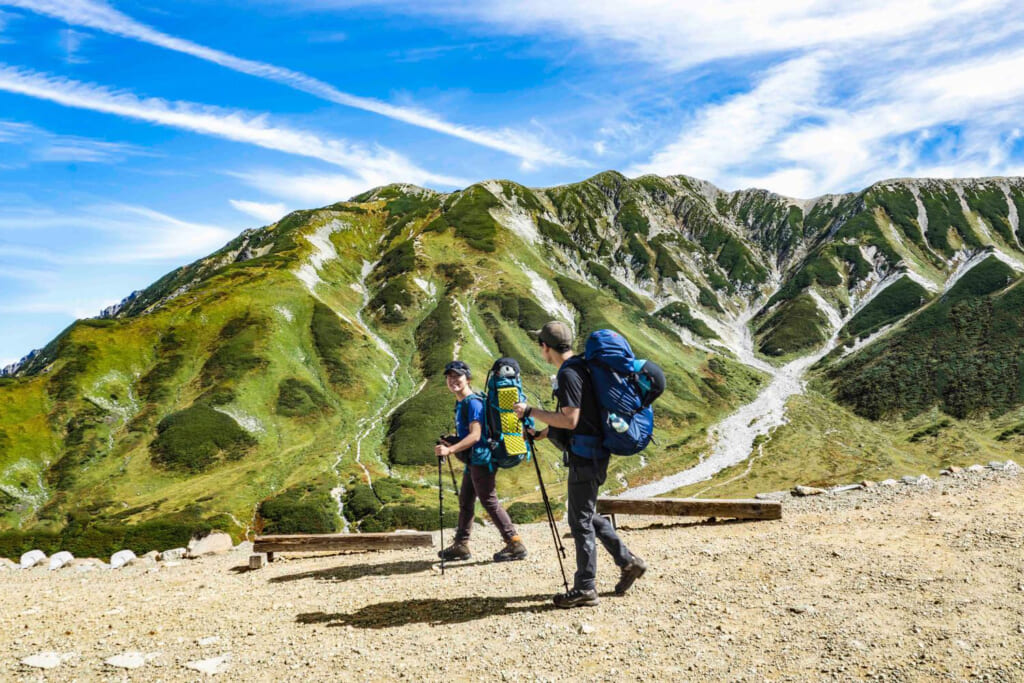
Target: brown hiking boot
x=630 y=573
x=513 y=550
x=459 y=550
x=576 y=598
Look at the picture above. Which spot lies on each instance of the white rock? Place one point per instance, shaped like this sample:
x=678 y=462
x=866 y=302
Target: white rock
x=209 y=640
x=888 y=482
x=173 y=554
x=996 y=465
x=807 y=491
x=32 y=558
x=845 y=488
x=585 y=629
x=121 y=558
x=1011 y=466
x=214 y=543
x=128 y=660
x=773 y=495
x=976 y=468
x=61 y=559
x=923 y=480
x=45 y=660
x=909 y=480
x=212 y=666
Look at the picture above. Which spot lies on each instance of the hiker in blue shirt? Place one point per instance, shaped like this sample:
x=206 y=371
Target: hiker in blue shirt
x=478 y=479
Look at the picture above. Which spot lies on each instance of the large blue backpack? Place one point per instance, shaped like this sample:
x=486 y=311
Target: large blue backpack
x=506 y=444
x=625 y=387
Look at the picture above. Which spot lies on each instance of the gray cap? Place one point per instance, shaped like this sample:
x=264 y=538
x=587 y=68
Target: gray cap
x=554 y=334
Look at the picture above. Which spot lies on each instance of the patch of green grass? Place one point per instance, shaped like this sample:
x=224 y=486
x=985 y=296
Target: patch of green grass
x=555 y=233
x=526 y=513
x=637 y=248
x=392 y=299
x=631 y=218
x=665 y=263
x=859 y=267
x=944 y=212
x=63 y=384
x=679 y=313
x=456 y=276
x=708 y=299
x=796 y=325
x=298 y=398
x=194 y=439
x=360 y=502
x=392 y=517
x=587 y=302
x=398 y=260
x=330 y=336
x=435 y=338
x=964 y=353
x=621 y=291
x=234 y=355
x=740 y=263
x=415 y=425
x=863 y=227
x=894 y=302
x=1016 y=430
x=902 y=209
x=929 y=431
x=469 y=212
x=991 y=203
x=306 y=509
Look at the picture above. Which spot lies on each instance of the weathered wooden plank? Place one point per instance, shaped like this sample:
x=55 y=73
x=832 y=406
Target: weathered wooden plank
x=691 y=507
x=304 y=543
x=257 y=561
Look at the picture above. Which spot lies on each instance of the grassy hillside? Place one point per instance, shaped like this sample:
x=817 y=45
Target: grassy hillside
x=292 y=381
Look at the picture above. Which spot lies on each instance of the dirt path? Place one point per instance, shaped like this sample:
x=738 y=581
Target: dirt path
x=896 y=584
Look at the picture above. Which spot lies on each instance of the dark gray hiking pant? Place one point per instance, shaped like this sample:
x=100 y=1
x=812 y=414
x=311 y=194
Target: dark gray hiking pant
x=585 y=478
x=478 y=482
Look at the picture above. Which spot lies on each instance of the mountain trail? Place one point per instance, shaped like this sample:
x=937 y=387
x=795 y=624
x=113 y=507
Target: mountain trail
x=892 y=583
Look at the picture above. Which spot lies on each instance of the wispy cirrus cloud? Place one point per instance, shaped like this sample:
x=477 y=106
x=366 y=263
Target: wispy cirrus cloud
x=119 y=233
x=101 y=16
x=46 y=146
x=229 y=124
x=268 y=213
x=309 y=188
x=803 y=97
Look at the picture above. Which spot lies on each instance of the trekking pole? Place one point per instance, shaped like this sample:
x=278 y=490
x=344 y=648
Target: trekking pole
x=559 y=547
x=452 y=471
x=440 y=511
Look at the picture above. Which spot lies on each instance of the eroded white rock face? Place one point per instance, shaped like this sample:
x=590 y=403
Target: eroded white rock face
x=173 y=554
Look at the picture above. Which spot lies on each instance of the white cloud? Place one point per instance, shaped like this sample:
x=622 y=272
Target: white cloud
x=310 y=189
x=223 y=123
x=101 y=16
x=126 y=233
x=268 y=213
x=44 y=145
x=72 y=41
x=679 y=35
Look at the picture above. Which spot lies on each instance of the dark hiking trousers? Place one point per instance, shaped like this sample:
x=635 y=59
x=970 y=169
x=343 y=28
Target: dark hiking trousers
x=478 y=482
x=585 y=477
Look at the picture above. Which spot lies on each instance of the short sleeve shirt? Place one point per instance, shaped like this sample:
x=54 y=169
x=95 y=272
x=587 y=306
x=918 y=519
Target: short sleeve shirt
x=467 y=411
x=575 y=391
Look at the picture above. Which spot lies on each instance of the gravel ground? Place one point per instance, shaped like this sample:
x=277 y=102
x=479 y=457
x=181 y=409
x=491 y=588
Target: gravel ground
x=897 y=583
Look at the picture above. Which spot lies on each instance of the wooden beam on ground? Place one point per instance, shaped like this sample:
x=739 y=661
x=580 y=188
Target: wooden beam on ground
x=691 y=507
x=307 y=543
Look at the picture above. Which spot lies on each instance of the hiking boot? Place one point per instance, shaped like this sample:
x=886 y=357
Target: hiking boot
x=455 y=552
x=630 y=573
x=513 y=550
x=576 y=598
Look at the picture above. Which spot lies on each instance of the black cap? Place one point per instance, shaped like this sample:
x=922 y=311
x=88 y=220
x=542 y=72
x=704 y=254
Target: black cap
x=459 y=368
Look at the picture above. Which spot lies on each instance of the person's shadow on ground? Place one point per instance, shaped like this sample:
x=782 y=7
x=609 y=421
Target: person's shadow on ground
x=357 y=571
x=429 y=611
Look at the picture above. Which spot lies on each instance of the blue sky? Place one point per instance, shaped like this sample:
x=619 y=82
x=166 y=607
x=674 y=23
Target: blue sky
x=138 y=136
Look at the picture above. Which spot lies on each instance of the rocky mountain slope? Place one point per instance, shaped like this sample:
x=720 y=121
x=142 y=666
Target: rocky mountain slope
x=291 y=381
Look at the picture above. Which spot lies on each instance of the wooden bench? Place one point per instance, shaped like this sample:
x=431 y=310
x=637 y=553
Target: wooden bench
x=308 y=543
x=691 y=507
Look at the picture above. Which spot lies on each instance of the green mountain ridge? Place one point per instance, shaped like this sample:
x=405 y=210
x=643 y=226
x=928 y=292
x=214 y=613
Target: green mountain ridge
x=291 y=380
